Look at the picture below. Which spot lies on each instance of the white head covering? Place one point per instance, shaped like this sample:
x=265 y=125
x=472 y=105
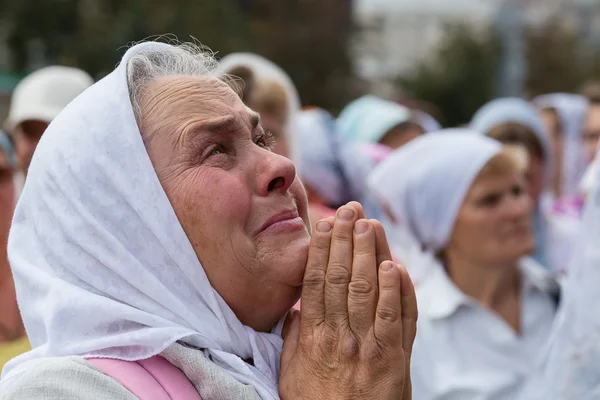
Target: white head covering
x=426 y=121
x=102 y=266
x=44 y=93
x=514 y=110
x=266 y=71
x=425 y=182
x=369 y=118
x=571 y=109
x=321 y=168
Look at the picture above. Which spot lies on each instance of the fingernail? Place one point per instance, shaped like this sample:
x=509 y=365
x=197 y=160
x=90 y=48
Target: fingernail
x=361 y=227
x=346 y=214
x=387 y=266
x=323 y=226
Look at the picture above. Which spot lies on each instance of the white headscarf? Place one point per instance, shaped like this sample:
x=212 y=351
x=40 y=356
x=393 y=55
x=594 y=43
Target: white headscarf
x=321 y=168
x=519 y=111
x=425 y=182
x=370 y=118
x=267 y=71
x=102 y=266
x=426 y=121
x=571 y=109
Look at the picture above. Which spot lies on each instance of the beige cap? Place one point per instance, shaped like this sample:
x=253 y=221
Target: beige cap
x=44 y=93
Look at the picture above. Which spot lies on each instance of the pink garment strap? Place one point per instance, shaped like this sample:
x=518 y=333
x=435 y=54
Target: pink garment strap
x=151 y=379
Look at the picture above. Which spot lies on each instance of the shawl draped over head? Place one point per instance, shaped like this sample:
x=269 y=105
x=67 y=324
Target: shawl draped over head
x=101 y=264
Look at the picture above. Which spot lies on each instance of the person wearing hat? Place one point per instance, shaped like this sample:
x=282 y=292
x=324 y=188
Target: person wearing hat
x=36 y=101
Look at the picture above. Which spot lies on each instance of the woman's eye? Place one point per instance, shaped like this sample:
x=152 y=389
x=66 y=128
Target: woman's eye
x=260 y=142
x=517 y=191
x=216 y=151
x=490 y=201
x=265 y=140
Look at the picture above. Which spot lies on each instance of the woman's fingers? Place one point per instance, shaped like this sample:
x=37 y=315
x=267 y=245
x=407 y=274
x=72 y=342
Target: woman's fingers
x=362 y=291
x=359 y=209
x=339 y=269
x=409 y=311
x=383 y=249
x=388 y=317
x=313 y=286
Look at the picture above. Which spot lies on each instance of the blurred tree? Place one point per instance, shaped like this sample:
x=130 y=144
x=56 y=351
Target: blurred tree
x=459 y=77
x=553 y=59
x=308 y=38
x=461 y=74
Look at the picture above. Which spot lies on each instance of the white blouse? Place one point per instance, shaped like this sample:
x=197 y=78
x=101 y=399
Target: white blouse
x=466 y=351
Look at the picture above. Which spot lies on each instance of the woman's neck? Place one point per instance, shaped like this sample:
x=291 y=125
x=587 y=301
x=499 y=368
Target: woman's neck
x=495 y=287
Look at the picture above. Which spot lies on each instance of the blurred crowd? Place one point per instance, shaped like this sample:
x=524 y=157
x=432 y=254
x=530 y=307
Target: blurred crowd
x=487 y=218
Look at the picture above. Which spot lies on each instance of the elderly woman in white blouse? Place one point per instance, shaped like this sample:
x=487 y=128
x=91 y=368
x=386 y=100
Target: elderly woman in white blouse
x=485 y=310
x=157 y=231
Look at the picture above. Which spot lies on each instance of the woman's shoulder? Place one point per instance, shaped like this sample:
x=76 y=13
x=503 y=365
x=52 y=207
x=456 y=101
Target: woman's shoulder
x=67 y=378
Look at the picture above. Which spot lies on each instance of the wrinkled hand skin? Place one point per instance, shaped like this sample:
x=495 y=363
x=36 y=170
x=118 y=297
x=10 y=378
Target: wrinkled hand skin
x=353 y=337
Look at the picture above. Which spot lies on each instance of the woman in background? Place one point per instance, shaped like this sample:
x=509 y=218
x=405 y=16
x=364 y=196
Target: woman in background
x=12 y=333
x=485 y=311
x=268 y=90
x=563 y=115
x=321 y=171
x=515 y=121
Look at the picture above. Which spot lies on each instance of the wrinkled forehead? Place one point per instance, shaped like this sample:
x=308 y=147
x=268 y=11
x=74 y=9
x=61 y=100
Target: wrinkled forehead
x=182 y=95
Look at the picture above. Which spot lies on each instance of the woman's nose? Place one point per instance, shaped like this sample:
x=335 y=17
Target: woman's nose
x=519 y=206
x=276 y=173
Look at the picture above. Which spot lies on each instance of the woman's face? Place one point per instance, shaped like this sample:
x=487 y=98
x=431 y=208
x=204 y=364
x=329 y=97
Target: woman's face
x=7 y=202
x=241 y=205
x=493 y=224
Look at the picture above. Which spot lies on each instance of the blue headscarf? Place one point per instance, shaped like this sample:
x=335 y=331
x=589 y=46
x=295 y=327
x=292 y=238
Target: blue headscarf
x=369 y=118
x=320 y=167
x=7 y=148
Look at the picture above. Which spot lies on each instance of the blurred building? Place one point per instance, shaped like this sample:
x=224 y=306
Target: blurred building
x=394 y=35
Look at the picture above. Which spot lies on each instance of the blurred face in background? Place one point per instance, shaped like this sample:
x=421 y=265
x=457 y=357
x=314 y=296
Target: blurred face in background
x=26 y=136
x=493 y=224
x=401 y=135
x=591 y=132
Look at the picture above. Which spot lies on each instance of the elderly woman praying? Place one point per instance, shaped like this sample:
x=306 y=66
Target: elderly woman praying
x=159 y=245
